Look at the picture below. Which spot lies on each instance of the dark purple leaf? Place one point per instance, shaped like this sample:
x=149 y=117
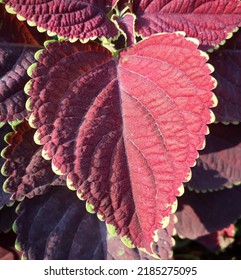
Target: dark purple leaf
x=227 y=64
x=219 y=163
x=14 y=62
x=17 y=48
x=127 y=28
x=208 y=21
x=4 y=197
x=74 y=19
x=7 y=217
x=29 y=174
x=202 y=214
x=162 y=248
x=106 y=124
x=56 y=226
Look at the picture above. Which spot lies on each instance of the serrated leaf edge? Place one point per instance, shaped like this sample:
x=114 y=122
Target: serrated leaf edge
x=223 y=42
x=121 y=30
x=50 y=33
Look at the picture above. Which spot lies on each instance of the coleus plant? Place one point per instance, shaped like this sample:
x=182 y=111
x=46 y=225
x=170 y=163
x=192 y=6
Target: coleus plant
x=115 y=107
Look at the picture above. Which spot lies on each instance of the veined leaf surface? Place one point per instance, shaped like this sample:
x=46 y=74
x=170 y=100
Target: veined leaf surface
x=56 y=226
x=125 y=131
x=28 y=173
x=14 y=62
x=208 y=21
x=74 y=19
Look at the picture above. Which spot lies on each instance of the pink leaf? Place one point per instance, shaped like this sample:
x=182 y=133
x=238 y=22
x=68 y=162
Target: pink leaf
x=126 y=130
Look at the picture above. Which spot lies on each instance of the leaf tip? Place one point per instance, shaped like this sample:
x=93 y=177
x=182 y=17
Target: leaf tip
x=80 y=195
x=174 y=208
x=111 y=229
x=4 y=150
x=36 y=138
x=212 y=117
x=10 y=10
x=214 y=98
x=5 y=185
x=55 y=169
x=70 y=184
x=165 y=222
x=31 y=69
x=180 y=190
x=51 y=34
x=31 y=121
x=195 y=41
x=14 y=227
x=41 y=29
x=211 y=68
x=31 y=23
x=4 y=170
x=28 y=105
x=28 y=86
x=90 y=208
x=46 y=43
x=127 y=241
x=45 y=154
x=21 y=18
x=100 y=217
x=73 y=40
x=18 y=245
x=38 y=54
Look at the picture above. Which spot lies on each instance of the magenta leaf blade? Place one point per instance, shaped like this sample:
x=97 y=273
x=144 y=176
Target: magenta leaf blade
x=208 y=21
x=105 y=123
